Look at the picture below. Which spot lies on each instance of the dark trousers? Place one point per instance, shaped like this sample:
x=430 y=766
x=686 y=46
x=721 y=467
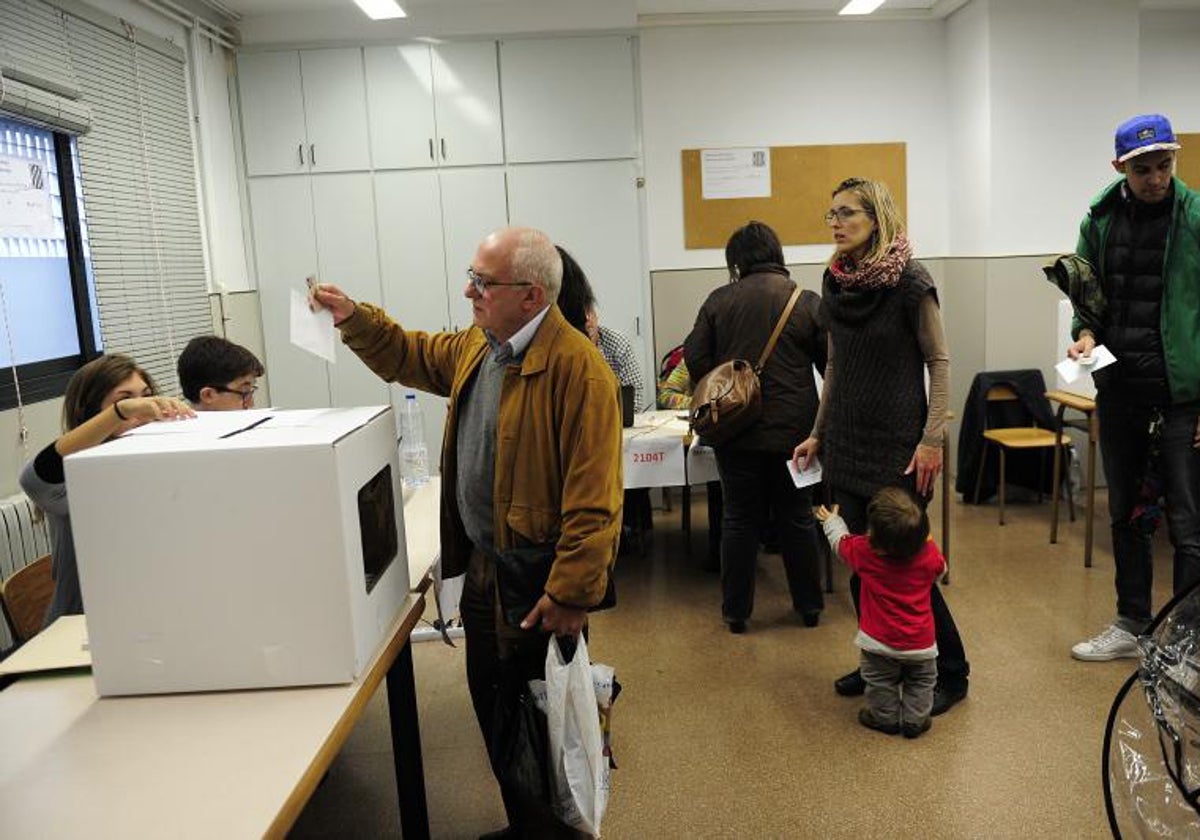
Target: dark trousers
x=494 y=651
x=752 y=483
x=1125 y=448
x=952 y=665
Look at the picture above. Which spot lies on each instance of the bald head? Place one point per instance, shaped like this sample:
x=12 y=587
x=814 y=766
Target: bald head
x=529 y=256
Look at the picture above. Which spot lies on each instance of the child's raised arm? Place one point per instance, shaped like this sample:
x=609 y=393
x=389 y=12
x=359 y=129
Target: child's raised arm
x=833 y=524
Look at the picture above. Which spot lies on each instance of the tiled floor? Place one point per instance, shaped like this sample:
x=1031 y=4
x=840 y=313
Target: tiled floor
x=731 y=736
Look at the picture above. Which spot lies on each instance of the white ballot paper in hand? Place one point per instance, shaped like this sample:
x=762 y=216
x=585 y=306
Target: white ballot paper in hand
x=1070 y=369
x=806 y=477
x=312 y=331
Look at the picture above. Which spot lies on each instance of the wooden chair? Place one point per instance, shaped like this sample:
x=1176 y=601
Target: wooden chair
x=1018 y=438
x=25 y=596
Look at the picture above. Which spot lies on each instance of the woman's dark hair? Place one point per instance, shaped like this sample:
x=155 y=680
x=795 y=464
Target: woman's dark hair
x=750 y=245
x=575 y=296
x=93 y=382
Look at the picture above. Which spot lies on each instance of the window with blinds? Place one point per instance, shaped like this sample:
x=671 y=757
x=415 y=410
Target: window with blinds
x=139 y=275
x=138 y=178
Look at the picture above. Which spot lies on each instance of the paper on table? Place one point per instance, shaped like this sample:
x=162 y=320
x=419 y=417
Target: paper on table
x=1070 y=370
x=805 y=478
x=312 y=331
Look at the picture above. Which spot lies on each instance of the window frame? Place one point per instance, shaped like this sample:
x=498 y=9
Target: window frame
x=47 y=379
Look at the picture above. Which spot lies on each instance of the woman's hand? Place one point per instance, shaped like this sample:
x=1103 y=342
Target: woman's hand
x=1082 y=348
x=138 y=411
x=927 y=463
x=804 y=453
x=328 y=296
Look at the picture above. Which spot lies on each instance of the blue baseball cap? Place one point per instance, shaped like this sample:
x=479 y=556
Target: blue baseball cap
x=1144 y=133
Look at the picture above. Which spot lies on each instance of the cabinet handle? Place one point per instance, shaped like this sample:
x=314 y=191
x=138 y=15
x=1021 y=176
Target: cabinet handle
x=312 y=153
x=300 y=151
x=431 y=157
x=638 y=326
x=443 y=148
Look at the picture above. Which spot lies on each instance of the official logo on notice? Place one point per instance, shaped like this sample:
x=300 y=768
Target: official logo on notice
x=36 y=178
x=759 y=158
x=1146 y=134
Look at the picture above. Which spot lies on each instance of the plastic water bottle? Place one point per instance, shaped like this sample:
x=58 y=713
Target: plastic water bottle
x=414 y=456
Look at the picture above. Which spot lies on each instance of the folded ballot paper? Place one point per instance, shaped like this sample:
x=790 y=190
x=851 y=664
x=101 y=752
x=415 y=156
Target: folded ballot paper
x=1072 y=369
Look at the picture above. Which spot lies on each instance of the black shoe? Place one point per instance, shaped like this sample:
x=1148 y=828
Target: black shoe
x=916 y=730
x=811 y=617
x=868 y=720
x=851 y=685
x=506 y=833
x=945 y=696
x=737 y=627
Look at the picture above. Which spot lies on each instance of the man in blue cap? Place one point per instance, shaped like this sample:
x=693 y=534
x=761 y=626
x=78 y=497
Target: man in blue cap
x=1142 y=235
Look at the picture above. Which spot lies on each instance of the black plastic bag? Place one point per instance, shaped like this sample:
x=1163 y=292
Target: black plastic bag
x=520 y=744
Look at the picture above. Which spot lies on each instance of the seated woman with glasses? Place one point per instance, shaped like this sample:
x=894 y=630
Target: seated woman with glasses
x=218 y=375
x=106 y=397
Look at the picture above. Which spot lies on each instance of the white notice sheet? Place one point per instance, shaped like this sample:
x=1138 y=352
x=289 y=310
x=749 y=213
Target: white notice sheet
x=735 y=173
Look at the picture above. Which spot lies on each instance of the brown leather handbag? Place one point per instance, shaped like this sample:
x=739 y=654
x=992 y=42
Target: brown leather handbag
x=728 y=399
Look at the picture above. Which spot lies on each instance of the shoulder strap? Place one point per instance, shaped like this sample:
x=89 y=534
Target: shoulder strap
x=779 y=325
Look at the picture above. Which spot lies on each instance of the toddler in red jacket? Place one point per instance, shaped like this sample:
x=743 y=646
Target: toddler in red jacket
x=897 y=563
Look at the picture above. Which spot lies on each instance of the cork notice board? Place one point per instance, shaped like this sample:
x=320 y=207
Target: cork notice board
x=1187 y=161
x=802 y=178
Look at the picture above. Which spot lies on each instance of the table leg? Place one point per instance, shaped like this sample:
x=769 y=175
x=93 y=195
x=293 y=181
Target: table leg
x=685 y=516
x=406 y=746
x=946 y=502
x=1058 y=425
x=1091 y=491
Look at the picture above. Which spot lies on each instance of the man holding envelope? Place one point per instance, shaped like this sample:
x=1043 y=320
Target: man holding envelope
x=1142 y=236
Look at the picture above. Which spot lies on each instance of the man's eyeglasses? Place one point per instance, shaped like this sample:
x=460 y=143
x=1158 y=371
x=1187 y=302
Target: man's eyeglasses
x=844 y=214
x=247 y=394
x=482 y=284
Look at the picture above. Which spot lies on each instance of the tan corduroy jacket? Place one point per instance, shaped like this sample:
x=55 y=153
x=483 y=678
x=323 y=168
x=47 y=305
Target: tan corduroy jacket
x=558 y=441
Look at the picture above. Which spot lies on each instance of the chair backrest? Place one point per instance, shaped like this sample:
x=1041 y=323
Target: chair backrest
x=25 y=597
x=1010 y=411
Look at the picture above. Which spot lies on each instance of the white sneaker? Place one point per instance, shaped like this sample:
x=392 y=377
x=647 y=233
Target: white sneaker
x=1112 y=643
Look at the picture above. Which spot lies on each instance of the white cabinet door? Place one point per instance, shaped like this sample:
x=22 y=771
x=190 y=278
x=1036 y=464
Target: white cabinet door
x=400 y=106
x=272 y=107
x=466 y=93
x=413 y=264
x=347 y=256
x=335 y=110
x=285 y=253
x=568 y=99
x=473 y=205
x=591 y=209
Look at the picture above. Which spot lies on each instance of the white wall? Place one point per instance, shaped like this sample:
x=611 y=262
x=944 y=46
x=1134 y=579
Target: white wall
x=793 y=84
x=1169 y=68
x=1058 y=89
x=480 y=18
x=968 y=60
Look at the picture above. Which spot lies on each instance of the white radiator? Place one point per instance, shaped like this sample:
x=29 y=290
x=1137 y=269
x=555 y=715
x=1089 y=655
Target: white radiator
x=22 y=540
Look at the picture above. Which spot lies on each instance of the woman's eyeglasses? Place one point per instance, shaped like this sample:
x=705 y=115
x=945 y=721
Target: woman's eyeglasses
x=482 y=284
x=844 y=214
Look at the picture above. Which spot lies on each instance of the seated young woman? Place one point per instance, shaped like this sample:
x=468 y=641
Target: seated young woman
x=105 y=398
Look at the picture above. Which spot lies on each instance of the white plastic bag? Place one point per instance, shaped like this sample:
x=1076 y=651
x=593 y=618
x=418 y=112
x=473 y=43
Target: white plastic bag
x=579 y=771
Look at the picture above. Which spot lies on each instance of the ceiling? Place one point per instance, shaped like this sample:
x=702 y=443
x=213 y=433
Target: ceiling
x=251 y=8
x=413 y=7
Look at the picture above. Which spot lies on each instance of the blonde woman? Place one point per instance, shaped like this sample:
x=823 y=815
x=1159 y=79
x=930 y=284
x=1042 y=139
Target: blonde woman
x=104 y=398
x=876 y=426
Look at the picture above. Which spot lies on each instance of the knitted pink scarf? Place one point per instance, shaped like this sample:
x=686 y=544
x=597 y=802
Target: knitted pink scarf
x=884 y=273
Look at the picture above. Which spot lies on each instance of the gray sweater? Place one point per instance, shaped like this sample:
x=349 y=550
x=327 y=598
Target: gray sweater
x=44 y=482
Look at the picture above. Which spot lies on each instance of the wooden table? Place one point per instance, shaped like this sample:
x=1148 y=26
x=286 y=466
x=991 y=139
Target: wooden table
x=1087 y=407
x=221 y=764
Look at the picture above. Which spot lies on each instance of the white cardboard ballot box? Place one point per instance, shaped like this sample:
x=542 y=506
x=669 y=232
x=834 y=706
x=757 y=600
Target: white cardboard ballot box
x=247 y=549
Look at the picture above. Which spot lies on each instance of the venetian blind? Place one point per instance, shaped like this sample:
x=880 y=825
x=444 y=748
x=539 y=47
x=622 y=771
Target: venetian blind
x=139 y=189
x=37 y=81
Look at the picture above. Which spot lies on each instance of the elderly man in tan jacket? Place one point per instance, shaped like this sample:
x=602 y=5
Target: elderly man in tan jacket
x=531 y=457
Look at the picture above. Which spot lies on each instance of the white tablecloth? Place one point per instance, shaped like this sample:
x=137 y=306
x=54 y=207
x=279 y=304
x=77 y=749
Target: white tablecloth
x=655 y=456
